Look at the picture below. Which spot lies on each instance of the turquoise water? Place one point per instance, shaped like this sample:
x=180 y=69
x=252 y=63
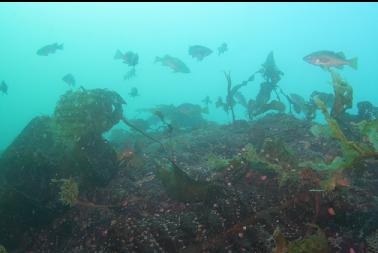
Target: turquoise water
x=91 y=34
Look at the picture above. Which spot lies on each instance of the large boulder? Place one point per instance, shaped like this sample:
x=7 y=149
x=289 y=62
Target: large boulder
x=68 y=144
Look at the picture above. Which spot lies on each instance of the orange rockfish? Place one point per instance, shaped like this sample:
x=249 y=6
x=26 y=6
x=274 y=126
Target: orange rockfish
x=326 y=59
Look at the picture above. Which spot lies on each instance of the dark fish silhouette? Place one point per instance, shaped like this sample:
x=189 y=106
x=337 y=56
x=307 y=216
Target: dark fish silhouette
x=174 y=63
x=159 y=114
x=207 y=100
x=199 y=52
x=298 y=102
x=134 y=92
x=4 y=87
x=130 y=58
x=328 y=59
x=130 y=74
x=69 y=79
x=49 y=49
x=222 y=48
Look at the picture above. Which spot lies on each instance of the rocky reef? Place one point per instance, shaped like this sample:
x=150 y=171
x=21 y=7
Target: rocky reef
x=273 y=183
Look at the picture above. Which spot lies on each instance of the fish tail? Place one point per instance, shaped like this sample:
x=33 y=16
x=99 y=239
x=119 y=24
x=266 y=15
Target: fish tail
x=353 y=63
x=157 y=59
x=118 y=55
x=60 y=46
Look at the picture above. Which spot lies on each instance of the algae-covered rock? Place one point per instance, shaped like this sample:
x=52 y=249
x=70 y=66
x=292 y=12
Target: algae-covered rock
x=88 y=111
x=68 y=144
x=315 y=243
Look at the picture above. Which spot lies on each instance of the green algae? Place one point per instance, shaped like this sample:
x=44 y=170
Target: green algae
x=69 y=191
x=315 y=243
x=216 y=163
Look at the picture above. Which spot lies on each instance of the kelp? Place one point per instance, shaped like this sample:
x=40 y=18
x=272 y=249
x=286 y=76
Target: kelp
x=327 y=98
x=262 y=103
x=271 y=75
x=349 y=148
x=343 y=94
x=352 y=152
x=308 y=107
x=369 y=129
x=180 y=186
x=220 y=104
x=274 y=105
x=216 y=163
x=269 y=70
x=232 y=91
x=300 y=105
x=241 y=99
x=265 y=92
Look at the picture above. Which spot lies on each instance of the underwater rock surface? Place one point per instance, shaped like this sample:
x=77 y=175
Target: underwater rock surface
x=261 y=186
x=68 y=144
x=273 y=183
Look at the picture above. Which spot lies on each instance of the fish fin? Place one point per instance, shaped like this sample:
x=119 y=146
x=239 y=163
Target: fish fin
x=118 y=55
x=339 y=66
x=157 y=59
x=251 y=78
x=353 y=63
x=341 y=54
